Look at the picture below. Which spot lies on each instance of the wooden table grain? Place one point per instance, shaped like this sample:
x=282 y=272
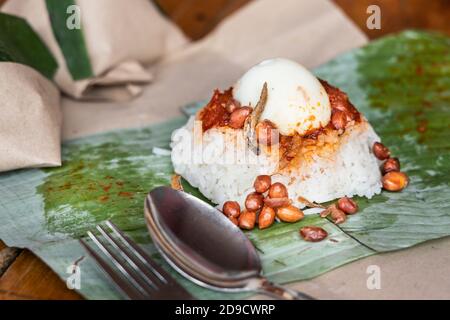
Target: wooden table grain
x=25 y=276
x=30 y=278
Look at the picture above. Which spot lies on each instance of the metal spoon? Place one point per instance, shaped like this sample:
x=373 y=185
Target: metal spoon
x=205 y=247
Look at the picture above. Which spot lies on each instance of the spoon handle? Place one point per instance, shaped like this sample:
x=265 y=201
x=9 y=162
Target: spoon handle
x=278 y=292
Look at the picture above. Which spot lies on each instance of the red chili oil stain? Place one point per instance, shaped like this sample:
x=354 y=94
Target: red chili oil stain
x=103 y=198
x=65 y=186
x=418 y=113
x=422 y=126
x=419 y=70
x=106 y=187
x=427 y=104
x=78 y=168
x=120 y=183
x=125 y=194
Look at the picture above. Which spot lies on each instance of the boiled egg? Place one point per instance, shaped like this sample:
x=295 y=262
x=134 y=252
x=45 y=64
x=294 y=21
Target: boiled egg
x=296 y=103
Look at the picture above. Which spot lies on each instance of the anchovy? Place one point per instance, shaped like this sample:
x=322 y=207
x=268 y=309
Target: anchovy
x=253 y=119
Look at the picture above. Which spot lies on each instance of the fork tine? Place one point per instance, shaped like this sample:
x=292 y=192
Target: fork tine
x=168 y=283
x=129 y=273
x=136 y=263
x=124 y=286
x=141 y=254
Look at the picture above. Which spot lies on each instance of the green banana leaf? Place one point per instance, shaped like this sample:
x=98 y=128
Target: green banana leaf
x=20 y=43
x=71 y=41
x=402 y=85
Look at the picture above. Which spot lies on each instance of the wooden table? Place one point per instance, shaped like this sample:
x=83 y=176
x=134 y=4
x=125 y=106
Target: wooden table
x=24 y=276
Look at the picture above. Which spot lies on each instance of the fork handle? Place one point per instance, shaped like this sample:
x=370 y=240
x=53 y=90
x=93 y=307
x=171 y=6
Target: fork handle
x=278 y=292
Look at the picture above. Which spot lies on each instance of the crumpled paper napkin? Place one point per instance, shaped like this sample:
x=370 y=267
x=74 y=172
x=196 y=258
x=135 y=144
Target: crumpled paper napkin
x=30 y=121
x=121 y=38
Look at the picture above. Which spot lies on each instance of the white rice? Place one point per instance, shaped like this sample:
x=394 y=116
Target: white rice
x=350 y=169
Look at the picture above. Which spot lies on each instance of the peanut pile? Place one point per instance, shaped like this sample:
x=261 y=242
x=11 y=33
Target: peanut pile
x=269 y=200
x=393 y=179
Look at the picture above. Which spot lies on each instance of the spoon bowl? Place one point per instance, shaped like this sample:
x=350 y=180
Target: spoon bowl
x=204 y=246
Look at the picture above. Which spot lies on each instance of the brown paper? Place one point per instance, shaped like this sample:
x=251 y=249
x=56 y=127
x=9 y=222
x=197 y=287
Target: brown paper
x=120 y=36
x=30 y=121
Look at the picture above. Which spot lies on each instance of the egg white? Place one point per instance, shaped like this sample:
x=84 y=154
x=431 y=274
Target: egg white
x=297 y=102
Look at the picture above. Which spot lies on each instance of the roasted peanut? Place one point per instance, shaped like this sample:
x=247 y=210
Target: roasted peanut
x=234 y=220
x=347 y=205
x=339 y=119
x=290 y=214
x=278 y=190
x=325 y=213
x=247 y=220
x=276 y=202
x=266 y=217
x=175 y=182
x=231 y=209
x=337 y=215
x=238 y=116
x=391 y=164
x=395 y=181
x=380 y=151
x=254 y=201
x=313 y=234
x=267 y=133
x=262 y=183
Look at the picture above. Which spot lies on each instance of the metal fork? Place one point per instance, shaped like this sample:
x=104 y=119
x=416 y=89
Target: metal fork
x=135 y=273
